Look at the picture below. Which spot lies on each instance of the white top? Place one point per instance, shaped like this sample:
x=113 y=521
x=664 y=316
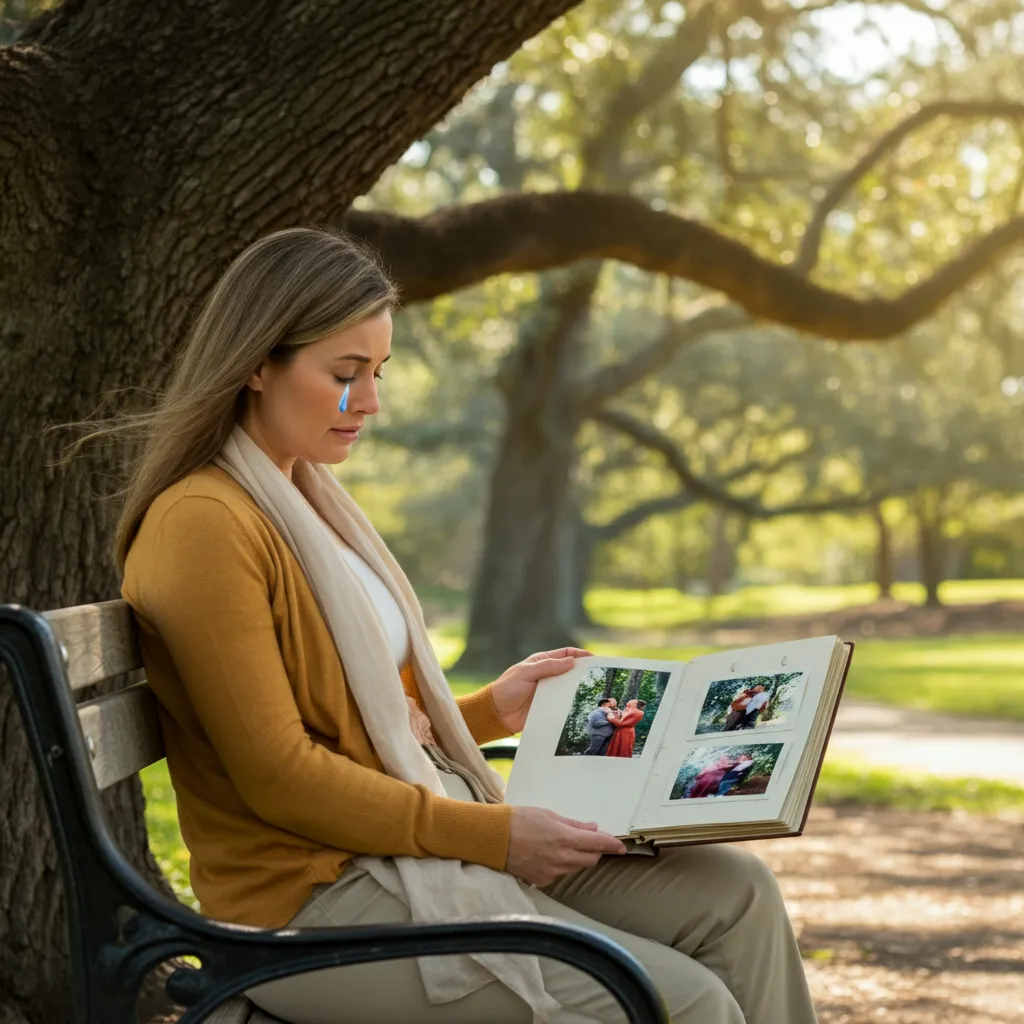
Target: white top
x=388 y=611
x=757 y=701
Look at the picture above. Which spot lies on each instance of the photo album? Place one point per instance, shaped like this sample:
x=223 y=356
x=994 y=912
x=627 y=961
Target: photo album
x=724 y=747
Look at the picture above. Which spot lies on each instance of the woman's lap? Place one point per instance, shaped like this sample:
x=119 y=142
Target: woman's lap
x=680 y=914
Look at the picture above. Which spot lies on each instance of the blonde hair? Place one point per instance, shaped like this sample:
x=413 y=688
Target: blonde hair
x=284 y=291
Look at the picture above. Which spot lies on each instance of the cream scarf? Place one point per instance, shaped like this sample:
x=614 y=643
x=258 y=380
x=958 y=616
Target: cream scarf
x=434 y=889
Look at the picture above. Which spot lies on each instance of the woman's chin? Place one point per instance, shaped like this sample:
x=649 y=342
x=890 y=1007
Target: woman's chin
x=334 y=453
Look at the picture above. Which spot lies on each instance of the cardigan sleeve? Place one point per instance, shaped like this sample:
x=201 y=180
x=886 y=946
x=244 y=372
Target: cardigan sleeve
x=481 y=715
x=204 y=586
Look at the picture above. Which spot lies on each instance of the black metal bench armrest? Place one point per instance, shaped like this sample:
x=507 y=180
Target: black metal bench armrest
x=234 y=960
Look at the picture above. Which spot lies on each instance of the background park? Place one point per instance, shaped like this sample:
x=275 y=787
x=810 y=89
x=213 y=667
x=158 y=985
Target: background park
x=712 y=336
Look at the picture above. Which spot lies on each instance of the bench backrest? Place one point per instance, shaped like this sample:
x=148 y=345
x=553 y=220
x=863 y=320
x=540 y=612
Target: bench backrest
x=122 y=729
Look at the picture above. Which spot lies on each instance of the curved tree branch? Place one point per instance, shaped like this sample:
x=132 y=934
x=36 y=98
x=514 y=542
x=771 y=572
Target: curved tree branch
x=649 y=436
x=808 y=255
x=461 y=245
x=618 y=377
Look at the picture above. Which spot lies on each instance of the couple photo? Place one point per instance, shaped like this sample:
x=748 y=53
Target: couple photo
x=612 y=731
x=745 y=710
x=726 y=771
x=750 y=702
x=612 y=712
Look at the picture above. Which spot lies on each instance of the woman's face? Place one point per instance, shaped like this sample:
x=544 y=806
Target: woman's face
x=292 y=408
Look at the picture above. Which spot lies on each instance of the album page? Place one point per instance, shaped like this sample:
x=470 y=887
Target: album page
x=591 y=737
x=733 y=737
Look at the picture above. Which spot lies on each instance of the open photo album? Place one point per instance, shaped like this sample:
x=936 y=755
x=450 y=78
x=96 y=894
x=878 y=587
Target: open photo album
x=724 y=747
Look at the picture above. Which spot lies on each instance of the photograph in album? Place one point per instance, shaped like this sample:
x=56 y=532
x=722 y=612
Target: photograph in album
x=742 y=769
x=751 y=703
x=612 y=712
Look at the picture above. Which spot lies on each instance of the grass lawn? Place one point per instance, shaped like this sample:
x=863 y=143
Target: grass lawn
x=666 y=607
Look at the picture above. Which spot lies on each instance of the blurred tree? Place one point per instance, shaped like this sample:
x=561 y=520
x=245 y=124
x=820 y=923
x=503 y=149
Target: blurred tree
x=612 y=114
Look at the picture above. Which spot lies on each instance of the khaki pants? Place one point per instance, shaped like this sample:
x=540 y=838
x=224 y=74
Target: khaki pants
x=708 y=923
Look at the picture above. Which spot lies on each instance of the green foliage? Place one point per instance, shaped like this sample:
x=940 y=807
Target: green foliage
x=623 y=684
x=721 y=693
x=765 y=755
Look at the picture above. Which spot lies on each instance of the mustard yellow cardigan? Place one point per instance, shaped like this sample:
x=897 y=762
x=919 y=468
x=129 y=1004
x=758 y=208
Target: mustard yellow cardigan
x=276 y=782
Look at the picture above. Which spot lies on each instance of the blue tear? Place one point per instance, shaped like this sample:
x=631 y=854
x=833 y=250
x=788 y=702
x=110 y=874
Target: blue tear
x=343 y=404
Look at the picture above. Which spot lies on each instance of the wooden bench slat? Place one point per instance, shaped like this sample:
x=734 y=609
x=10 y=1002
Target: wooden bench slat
x=122 y=732
x=100 y=641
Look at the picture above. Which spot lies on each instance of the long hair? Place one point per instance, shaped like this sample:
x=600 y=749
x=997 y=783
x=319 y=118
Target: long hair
x=284 y=291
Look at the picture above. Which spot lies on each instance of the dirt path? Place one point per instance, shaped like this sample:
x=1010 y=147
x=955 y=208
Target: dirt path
x=908 y=918
x=921 y=741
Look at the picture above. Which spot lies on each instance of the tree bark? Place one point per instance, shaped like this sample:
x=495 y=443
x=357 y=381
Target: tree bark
x=141 y=147
x=457 y=247
x=609 y=681
x=883 y=555
x=636 y=677
x=930 y=545
x=577 y=557
x=517 y=605
x=721 y=556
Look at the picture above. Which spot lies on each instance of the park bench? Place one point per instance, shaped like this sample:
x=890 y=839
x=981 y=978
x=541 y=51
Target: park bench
x=120 y=927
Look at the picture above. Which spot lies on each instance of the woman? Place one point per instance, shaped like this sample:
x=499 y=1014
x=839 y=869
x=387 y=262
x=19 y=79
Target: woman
x=737 y=710
x=736 y=774
x=707 y=780
x=324 y=773
x=624 y=738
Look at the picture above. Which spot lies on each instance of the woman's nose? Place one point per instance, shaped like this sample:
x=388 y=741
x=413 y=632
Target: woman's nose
x=369 y=399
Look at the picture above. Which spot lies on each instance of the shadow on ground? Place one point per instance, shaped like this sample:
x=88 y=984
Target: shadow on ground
x=910 y=918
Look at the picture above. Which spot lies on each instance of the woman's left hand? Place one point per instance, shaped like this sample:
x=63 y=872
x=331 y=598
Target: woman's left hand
x=513 y=690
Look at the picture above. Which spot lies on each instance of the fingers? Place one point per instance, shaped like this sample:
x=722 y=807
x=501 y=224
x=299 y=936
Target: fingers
x=586 y=839
x=587 y=826
x=562 y=652
x=551 y=667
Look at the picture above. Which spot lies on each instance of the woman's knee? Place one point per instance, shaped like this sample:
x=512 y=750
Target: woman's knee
x=699 y=997
x=730 y=880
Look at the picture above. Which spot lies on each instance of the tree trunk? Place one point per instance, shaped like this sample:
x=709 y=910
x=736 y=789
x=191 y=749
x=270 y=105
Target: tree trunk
x=930 y=544
x=883 y=555
x=141 y=146
x=636 y=677
x=516 y=606
x=721 y=555
x=609 y=681
x=580 y=548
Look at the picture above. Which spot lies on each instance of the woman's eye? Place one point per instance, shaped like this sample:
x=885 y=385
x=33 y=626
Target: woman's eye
x=344 y=380
x=379 y=375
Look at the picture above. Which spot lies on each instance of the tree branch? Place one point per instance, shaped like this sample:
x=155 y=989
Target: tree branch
x=714 y=492
x=461 y=245
x=602 y=151
x=639 y=513
x=808 y=255
x=647 y=435
x=612 y=380
x=683 y=499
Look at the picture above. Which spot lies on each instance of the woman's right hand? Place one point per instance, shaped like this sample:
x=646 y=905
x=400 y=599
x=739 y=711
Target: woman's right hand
x=543 y=845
